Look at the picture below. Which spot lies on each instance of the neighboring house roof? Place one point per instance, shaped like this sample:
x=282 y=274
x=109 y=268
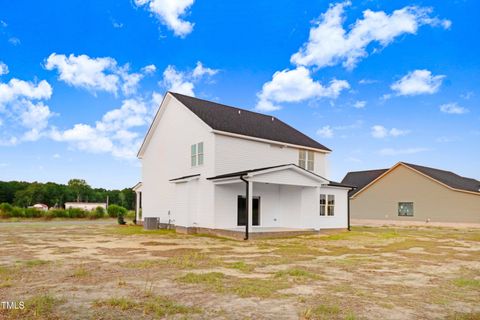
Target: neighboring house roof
x=363 y=179
x=243 y=122
x=360 y=179
x=449 y=178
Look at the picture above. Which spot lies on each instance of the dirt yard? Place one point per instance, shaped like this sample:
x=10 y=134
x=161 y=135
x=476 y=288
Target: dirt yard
x=97 y=270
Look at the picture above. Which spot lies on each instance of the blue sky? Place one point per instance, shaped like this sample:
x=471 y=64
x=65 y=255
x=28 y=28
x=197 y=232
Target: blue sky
x=378 y=82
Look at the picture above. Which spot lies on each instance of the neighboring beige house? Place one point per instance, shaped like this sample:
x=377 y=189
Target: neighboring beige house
x=408 y=192
x=89 y=206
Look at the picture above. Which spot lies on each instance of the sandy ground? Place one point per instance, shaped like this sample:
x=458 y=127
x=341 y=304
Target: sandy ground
x=98 y=270
x=380 y=223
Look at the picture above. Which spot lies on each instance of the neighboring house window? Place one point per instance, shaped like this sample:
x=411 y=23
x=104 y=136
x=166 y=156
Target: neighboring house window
x=331 y=205
x=405 y=209
x=196 y=154
x=323 y=204
x=306 y=159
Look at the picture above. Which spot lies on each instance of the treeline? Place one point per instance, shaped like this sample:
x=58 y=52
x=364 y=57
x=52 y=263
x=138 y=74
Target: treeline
x=25 y=194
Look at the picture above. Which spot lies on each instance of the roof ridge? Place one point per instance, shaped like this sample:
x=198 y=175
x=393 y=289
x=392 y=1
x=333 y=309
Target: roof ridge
x=225 y=105
x=436 y=169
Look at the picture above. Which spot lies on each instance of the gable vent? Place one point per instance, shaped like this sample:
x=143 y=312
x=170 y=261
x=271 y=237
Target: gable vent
x=239 y=111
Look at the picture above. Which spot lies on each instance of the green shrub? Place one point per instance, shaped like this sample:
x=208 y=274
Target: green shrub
x=115 y=211
x=59 y=213
x=98 y=213
x=48 y=215
x=130 y=214
x=32 y=213
x=76 y=213
x=17 y=212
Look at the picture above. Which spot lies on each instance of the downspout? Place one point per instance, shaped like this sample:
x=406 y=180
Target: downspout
x=246 y=207
x=348 y=207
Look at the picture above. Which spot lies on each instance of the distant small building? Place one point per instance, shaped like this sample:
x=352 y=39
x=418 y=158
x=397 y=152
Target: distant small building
x=40 y=206
x=89 y=206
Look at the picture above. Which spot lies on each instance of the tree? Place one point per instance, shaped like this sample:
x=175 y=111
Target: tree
x=79 y=187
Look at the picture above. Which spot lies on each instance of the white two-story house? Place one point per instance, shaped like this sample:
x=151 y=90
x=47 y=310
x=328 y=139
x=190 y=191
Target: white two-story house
x=212 y=168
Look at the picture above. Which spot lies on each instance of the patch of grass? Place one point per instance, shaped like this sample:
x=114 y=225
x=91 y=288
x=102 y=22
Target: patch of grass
x=467 y=282
x=262 y=288
x=243 y=287
x=34 y=262
x=161 y=307
x=145 y=264
x=157 y=305
x=321 y=312
x=297 y=274
x=37 y=307
x=242 y=266
x=138 y=230
x=211 y=278
x=193 y=260
x=80 y=272
x=120 y=303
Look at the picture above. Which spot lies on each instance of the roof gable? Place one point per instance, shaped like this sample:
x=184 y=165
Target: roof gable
x=247 y=123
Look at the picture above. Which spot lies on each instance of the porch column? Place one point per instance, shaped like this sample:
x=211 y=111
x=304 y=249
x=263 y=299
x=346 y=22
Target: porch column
x=250 y=205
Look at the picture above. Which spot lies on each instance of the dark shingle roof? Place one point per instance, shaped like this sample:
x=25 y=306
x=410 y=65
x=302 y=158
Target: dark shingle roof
x=363 y=178
x=239 y=121
x=360 y=179
x=449 y=178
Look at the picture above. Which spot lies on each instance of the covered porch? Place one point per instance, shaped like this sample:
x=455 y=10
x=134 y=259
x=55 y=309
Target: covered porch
x=280 y=200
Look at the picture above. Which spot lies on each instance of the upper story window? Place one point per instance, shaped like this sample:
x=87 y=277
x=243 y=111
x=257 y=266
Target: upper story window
x=306 y=159
x=196 y=154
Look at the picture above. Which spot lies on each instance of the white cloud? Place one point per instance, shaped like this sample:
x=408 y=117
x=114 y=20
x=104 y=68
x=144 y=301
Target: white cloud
x=453 y=108
x=17 y=89
x=114 y=133
x=200 y=71
x=151 y=68
x=3 y=68
x=56 y=156
x=330 y=43
x=295 y=86
x=360 y=104
x=95 y=74
x=177 y=81
x=380 y=132
x=184 y=81
x=169 y=13
x=417 y=82
x=14 y=41
x=396 y=152
x=26 y=116
x=325 y=132
x=367 y=81
x=85 y=72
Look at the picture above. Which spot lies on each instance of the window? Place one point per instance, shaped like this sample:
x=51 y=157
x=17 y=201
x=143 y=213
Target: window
x=331 y=205
x=310 y=160
x=323 y=204
x=306 y=159
x=405 y=209
x=196 y=151
x=302 y=158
